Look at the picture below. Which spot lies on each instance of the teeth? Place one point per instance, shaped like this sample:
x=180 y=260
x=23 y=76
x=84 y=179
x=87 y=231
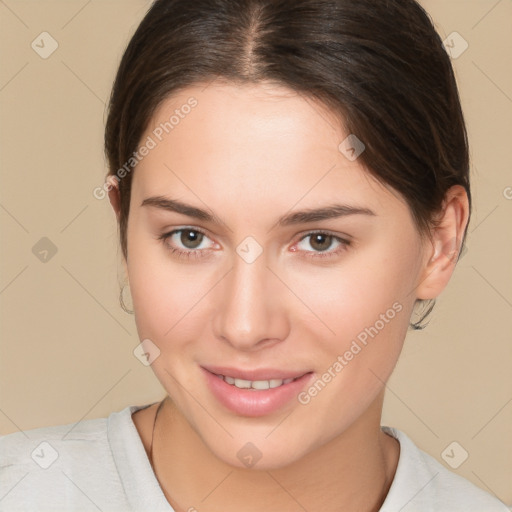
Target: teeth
x=244 y=384
x=255 y=384
x=260 y=384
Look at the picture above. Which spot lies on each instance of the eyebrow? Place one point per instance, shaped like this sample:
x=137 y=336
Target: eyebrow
x=298 y=217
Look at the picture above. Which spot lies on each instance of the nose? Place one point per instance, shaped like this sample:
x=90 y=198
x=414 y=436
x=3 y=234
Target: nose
x=251 y=312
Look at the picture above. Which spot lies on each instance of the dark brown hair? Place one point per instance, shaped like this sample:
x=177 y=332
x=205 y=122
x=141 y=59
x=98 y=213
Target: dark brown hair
x=379 y=65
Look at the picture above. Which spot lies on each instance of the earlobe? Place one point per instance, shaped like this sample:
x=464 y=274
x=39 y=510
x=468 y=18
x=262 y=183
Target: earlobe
x=446 y=241
x=114 y=194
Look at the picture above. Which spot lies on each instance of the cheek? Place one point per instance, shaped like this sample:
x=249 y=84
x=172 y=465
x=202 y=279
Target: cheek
x=161 y=291
x=368 y=289
x=365 y=306
x=163 y=301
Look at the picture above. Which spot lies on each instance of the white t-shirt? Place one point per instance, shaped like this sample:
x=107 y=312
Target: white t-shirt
x=101 y=464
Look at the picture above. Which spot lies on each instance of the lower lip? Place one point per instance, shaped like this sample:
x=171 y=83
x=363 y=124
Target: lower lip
x=249 y=402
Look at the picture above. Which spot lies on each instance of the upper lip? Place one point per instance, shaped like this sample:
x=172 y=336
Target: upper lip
x=255 y=374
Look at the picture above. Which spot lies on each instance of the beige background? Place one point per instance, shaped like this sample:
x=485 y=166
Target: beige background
x=67 y=346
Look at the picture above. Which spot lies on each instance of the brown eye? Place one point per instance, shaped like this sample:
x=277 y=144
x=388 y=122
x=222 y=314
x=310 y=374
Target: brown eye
x=190 y=238
x=322 y=244
x=185 y=243
x=321 y=241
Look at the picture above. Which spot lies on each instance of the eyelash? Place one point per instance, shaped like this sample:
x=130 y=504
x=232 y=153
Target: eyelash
x=196 y=253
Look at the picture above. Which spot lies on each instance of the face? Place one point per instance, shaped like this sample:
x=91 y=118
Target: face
x=253 y=290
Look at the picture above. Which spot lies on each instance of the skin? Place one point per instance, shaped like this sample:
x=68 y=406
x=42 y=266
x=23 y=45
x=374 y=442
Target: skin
x=251 y=154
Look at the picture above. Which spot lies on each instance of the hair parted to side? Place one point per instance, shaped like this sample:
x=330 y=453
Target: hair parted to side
x=378 y=65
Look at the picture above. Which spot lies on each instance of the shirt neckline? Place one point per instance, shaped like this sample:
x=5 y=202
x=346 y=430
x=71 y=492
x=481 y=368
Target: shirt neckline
x=139 y=481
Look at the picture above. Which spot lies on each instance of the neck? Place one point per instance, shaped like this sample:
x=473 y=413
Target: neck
x=354 y=471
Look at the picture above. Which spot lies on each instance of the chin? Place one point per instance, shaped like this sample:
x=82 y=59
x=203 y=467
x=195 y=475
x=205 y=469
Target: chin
x=257 y=456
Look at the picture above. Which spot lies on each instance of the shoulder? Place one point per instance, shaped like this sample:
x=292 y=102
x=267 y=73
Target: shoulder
x=55 y=445
x=57 y=465
x=421 y=483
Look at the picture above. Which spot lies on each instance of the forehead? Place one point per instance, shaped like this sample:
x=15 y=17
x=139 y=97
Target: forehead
x=250 y=141
x=247 y=115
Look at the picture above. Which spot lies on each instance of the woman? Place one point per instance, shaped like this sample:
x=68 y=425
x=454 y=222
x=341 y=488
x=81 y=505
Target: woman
x=290 y=180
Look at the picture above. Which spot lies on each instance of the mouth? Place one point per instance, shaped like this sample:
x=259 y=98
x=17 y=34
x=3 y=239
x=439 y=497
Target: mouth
x=256 y=385
x=255 y=392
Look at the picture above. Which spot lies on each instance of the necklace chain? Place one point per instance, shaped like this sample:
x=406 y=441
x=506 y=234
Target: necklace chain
x=386 y=482
x=153 y=435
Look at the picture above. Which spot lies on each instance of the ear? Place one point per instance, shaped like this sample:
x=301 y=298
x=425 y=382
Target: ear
x=114 y=195
x=443 y=250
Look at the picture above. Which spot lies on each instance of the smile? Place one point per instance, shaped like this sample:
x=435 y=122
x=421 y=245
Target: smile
x=255 y=384
x=255 y=392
